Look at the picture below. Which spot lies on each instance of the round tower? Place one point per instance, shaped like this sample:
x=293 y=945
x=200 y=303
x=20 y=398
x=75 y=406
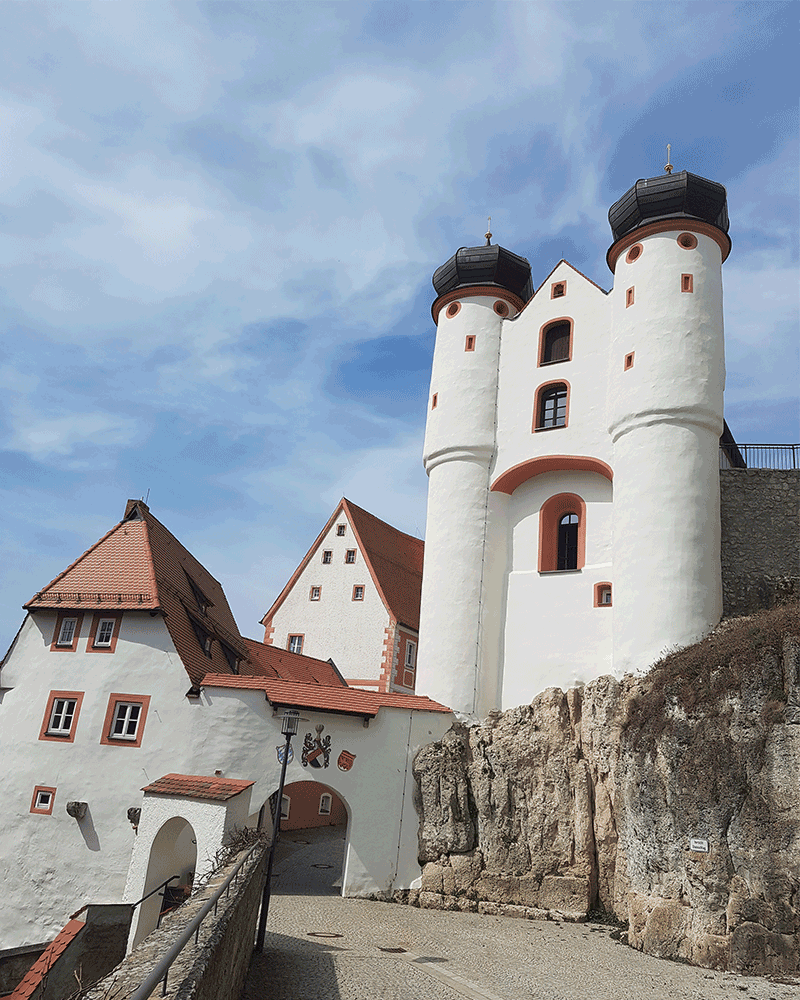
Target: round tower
x=477 y=290
x=667 y=375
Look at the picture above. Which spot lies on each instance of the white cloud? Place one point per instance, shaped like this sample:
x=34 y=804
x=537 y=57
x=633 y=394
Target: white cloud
x=44 y=438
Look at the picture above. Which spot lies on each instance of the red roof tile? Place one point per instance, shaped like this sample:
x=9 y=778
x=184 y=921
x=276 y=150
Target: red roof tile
x=271 y=661
x=394 y=560
x=34 y=976
x=140 y=565
x=195 y=786
x=347 y=700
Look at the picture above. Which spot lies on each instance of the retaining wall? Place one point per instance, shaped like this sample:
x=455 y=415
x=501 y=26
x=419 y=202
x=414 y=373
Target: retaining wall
x=760 y=511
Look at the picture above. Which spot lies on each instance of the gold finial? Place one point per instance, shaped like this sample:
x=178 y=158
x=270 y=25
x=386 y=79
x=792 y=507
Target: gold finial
x=668 y=168
x=488 y=233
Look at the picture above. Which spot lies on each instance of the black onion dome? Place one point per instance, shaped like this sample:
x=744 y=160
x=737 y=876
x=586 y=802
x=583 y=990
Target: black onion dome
x=668 y=196
x=488 y=265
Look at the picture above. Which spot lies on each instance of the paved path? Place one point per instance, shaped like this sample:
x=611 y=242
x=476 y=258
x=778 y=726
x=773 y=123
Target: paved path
x=449 y=956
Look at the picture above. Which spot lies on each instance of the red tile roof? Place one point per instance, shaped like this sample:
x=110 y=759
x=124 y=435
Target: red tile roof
x=140 y=565
x=195 y=786
x=346 y=700
x=271 y=661
x=34 y=976
x=394 y=560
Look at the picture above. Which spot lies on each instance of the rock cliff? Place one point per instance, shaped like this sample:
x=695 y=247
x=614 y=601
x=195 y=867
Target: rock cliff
x=671 y=801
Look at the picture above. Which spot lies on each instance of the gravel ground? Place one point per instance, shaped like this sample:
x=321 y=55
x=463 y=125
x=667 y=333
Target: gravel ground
x=322 y=947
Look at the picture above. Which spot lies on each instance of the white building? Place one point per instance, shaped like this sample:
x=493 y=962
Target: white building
x=355 y=598
x=129 y=674
x=572 y=445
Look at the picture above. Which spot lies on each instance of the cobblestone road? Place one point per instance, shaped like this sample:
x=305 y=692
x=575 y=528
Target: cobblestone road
x=322 y=947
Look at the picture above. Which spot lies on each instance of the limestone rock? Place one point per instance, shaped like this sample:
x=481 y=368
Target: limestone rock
x=590 y=798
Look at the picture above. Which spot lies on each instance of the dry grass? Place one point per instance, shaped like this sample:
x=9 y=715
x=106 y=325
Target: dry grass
x=704 y=676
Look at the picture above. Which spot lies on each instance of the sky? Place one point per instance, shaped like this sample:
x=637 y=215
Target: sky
x=219 y=221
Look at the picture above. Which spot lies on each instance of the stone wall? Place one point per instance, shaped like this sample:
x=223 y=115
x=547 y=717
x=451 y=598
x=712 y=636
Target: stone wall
x=215 y=969
x=670 y=801
x=760 y=511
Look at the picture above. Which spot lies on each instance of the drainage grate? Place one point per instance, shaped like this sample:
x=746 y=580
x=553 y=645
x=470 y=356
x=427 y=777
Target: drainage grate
x=323 y=934
x=394 y=951
x=322 y=866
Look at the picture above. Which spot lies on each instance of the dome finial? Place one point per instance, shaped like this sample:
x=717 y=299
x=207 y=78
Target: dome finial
x=488 y=233
x=668 y=167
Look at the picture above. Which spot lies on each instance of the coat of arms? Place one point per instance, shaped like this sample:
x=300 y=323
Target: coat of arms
x=282 y=753
x=345 y=761
x=317 y=747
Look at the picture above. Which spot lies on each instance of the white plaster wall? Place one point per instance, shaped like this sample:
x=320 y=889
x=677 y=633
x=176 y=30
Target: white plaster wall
x=208 y=821
x=349 y=632
x=554 y=636
x=375 y=790
x=665 y=421
x=52 y=865
x=586 y=432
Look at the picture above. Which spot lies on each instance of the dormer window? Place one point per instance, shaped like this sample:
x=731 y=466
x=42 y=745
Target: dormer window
x=203 y=603
x=231 y=656
x=204 y=637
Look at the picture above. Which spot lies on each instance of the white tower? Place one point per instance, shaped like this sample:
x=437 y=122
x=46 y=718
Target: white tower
x=666 y=378
x=478 y=288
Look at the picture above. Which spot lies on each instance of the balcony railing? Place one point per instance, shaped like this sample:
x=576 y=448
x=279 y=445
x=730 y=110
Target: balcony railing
x=759 y=456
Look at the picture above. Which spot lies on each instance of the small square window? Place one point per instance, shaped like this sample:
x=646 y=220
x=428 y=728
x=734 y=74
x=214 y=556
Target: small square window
x=358 y=592
x=340 y=529
x=295 y=644
x=350 y=556
x=43 y=800
x=327 y=556
x=558 y=290
x=314 y=593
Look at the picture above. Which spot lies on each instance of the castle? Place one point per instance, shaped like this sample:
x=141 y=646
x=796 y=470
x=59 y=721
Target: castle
x=572 y=446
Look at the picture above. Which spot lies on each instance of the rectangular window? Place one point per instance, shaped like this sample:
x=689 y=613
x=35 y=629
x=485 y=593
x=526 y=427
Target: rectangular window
x=350 y=556
x=434 y=400
x=411 y=654
x=105 y=630
x=470 y=343
x=67 y=632
x=325 y=802
x=687 y=283
x=358 y=592
x=295 y=644
x=43 y=800
x=125 y=719
x=61 y=716
x=340 y=529
x=327 y=556
x=628 y=361
x=314 y=593
x=629 y=297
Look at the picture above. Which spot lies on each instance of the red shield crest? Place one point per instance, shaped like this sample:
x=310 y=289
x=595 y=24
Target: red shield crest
x=345 y=761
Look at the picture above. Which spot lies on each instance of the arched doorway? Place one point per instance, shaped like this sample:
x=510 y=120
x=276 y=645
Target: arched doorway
x=310 y=854
x=174 y=852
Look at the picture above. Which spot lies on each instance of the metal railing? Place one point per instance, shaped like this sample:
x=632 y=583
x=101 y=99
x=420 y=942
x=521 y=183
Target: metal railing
x=161 y=971
x=91 y=597
x=759 y=456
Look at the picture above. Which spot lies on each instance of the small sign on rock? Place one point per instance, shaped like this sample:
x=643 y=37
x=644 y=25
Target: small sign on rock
x=698 y=844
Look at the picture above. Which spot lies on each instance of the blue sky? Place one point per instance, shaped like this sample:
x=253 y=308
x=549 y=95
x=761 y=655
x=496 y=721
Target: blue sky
x=218 y=224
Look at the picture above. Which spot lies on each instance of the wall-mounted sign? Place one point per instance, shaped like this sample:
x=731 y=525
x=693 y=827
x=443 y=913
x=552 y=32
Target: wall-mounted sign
x=698 y=844
x=345 y=761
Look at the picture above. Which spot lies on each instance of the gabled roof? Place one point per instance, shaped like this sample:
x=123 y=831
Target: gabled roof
x=394 y=560
x=140 y=565
x=280 y=664
x=339 y=700
x=552 y=272
x=38 y=971
x=198 y=786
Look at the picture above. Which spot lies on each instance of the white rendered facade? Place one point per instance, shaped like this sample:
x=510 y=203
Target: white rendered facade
x=632 y=460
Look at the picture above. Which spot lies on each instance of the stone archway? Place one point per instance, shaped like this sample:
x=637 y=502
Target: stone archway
x=173 y=852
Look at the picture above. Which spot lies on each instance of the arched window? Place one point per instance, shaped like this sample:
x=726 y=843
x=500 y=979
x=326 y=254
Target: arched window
x=568 y=542
x=556 y=342
x=552 y=407
x=562 y=533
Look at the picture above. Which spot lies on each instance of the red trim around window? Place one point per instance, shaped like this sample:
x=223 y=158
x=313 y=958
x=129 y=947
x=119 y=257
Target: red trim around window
x=296 y=635
x=131 y=699
x=551 y=512
x=598 y=589
x=362 y=588
x=98 y=617
x=537 y=405
x=542 y=333
x=43 y=788
x=61 y=616
x=77 y=696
